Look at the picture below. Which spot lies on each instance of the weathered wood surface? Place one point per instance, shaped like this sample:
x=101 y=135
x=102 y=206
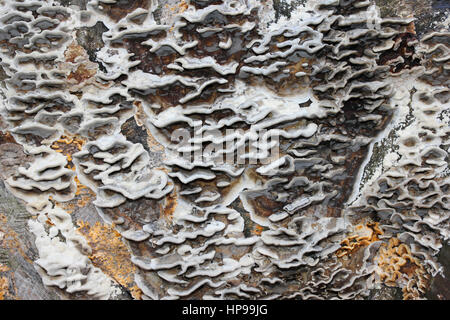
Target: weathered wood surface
x=18 y=276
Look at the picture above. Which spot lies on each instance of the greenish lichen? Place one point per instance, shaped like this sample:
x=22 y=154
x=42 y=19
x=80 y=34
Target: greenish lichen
x=428 y=16
x=385 y=146
x=90 y=38
x=285 y=8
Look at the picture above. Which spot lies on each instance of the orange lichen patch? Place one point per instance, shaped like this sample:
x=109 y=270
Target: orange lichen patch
x=7 y=287
x=9 y=239
x=49 y=222
x=4 y=285
x=257 y=229
x=411 y=28
x=110 y=254
x=135 y=292
x=362 y=236
x=183 y=6
x=78 y=142
x=179 y=8
x=68 y=145
x=84 y=193
x=399 y=268
x=83 y=196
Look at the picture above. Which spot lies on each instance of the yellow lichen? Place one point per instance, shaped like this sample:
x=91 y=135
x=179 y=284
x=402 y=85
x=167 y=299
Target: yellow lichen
x=399 y=268
x=10 y=239
x=7 y=286
x=179 y=8
x=362 y=236
x=110 y=254
x=4 y=285
x=136 y=293
x=183 y=6
x=257 y=230
x=68 y=145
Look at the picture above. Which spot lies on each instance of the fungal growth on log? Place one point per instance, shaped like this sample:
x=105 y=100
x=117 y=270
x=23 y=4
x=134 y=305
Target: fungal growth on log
x=224 y=149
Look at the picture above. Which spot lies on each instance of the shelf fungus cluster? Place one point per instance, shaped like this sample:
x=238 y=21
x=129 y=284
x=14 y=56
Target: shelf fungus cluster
x=269 y=182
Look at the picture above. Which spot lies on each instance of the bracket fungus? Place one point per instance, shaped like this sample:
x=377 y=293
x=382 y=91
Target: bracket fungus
x=267 y=183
